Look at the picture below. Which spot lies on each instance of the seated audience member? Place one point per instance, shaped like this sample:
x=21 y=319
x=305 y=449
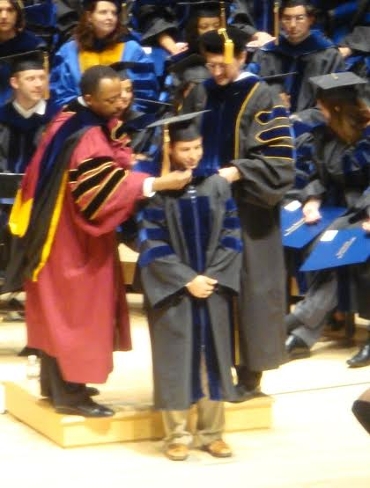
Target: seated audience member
x=340 y=177
x=100 y=38
x=255 y=18
x=190 y=257
x=22 y=121
x=159 y=24
x=23 y=118
x=188 y=69
x=299 y=54
x=338 y=18
x=14 y=39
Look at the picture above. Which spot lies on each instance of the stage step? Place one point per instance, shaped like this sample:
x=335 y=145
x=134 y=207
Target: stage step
x=130 y=423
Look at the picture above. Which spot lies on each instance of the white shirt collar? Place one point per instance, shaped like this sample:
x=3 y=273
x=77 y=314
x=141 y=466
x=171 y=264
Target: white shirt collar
x=81 y=101
x=39 y=109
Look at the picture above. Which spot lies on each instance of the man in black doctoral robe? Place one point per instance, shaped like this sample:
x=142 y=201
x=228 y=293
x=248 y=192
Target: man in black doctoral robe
x=247 y=134
x=190 y=256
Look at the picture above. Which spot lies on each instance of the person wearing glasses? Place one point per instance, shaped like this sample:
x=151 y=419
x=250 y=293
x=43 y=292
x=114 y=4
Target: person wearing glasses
x=299 y=54
x=247 y=137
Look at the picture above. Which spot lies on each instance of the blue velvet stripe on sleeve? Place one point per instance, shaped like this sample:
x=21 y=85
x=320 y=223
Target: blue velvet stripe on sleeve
x=232 y=243
x=278 y=151
x=151 y=255
x=153 y=235
x=230 y=205
x=231 y=223
x=153 y=214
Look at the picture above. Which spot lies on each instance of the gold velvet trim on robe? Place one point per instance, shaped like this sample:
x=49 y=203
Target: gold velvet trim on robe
x=111 y=55
x=20 y=215
x=52 y=227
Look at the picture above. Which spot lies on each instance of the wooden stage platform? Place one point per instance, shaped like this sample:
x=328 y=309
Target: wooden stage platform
x=128 y=391
x=130 y=423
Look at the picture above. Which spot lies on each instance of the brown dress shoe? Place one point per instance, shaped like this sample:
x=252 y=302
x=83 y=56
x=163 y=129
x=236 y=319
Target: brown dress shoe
x=219 y=449
x=177 y=452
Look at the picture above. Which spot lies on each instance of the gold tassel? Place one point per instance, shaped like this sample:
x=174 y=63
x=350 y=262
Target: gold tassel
x=276 y=23
x=124 y=15
x=46 y=68
x=228 y=43
x=166 y=165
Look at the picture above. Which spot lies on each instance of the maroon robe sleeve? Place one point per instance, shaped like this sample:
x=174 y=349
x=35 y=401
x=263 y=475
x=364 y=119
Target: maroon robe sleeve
x=102 y=191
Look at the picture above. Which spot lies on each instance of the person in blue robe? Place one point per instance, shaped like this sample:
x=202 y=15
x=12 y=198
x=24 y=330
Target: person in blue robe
x=299 y=54
x=97 y=42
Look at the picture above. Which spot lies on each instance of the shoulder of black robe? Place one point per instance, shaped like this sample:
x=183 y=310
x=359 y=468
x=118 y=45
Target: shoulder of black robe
x=358 y=39
x=242 y=18
x=155 y=18
x=315 y=42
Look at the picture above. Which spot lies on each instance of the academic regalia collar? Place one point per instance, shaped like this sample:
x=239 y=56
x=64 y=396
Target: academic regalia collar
x=24 y=41
x=315 y=42
x=245 y=78
x=199 y=174
x=39 y=109
x=85 y=115
x=100 y=45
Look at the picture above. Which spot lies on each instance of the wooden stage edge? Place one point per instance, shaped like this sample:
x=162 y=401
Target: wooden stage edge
x=128 y=424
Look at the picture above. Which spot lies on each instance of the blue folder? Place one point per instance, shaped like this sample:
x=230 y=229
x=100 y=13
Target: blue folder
x=297 y=234
x=349 y=246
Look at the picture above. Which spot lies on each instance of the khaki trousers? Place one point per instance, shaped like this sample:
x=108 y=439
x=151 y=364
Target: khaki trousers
x=210 y=420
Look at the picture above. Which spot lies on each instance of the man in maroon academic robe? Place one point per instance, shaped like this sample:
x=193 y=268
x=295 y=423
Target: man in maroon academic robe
x=74 y=194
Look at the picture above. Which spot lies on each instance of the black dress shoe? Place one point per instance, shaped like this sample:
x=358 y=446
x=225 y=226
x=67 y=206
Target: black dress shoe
x=244 y=394
x=85 y=409
x=296 y=348
x=362 y=358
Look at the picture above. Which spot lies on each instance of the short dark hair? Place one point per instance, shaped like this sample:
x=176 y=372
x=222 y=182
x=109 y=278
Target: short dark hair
x=90 y=80
x=213 y=42
x=310 y=9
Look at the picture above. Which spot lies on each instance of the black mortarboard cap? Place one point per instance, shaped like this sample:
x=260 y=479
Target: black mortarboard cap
x=181 y=127
x=24 y=61
x=337 y=85
x=214 y=42
x=190 y=68
x=205 y=8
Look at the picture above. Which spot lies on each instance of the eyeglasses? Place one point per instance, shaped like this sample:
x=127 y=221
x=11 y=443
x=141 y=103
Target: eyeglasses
x=288 y=19
x=213 y=66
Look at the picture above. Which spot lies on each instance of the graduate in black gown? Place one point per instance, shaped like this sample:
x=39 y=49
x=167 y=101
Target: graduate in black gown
x=22 y=121
x=190 y=257
x=338 y=152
